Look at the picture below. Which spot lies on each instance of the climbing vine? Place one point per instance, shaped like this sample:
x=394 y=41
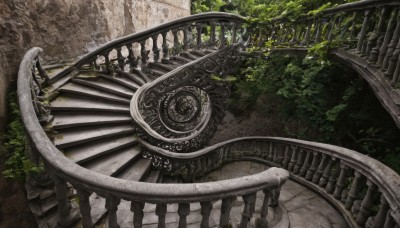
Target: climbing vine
x=15 y=146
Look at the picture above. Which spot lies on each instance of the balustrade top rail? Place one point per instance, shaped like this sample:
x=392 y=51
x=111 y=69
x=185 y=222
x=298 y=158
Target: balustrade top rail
x=149 y=33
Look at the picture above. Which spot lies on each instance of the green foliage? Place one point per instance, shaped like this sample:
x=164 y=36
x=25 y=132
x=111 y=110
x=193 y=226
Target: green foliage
x=15 y=145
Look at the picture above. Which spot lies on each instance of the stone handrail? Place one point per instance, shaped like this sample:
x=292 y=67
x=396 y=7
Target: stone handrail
x=63 y=170
x=338 y=174
x=187 y=125
x=366 y=34
x=184 y=33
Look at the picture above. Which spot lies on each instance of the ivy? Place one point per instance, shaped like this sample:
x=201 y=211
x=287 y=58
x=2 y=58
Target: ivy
x=15 y=147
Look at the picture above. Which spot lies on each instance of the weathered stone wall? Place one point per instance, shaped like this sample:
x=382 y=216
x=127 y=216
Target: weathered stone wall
x=69 y=28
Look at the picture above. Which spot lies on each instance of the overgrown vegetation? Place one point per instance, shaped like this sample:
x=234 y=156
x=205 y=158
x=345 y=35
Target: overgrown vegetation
x=331 y=103
x=15 y=147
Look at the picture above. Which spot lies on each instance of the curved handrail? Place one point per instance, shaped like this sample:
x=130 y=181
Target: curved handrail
x=149 y=33
x=113 y=188
x=293 y=151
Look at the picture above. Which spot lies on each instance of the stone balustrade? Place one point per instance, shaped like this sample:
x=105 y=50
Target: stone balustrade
x=354 y=183
x=212 y=30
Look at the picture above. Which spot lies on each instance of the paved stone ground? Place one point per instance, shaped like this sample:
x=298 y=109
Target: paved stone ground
x=299 y=207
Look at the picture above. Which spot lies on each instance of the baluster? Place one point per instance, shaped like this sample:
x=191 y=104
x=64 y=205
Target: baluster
x=156 y=50
x=270 y=151
x=388 y=34
x=42 y=72
x=366 y=204
x=222 y=36
x=206 y=208
x=367 y=16
x=318 y=30
x=328 y=169
x=212 y=33
x=285 y=161
x=329 y=35
x=177 y=45
x=353 y=26
x=275 y=154
x=396 y=74
x=293 y=158
x=354 y=190
x=299 y=161
x=248 y=210
x=313 y=167
x=165 y=45
x=186 y=38
x=276 y=192
x=296 y=27
x=161 y=212
x=306 y=164
x=262 y=217
x=183 y=212
x=380 y=217
x=120 y=59
x=64 y=214
x=107 y=62
x=389 y=222
x=226 y=207
x=234 y=31
x=112 y=207
x=341 y=181
x=137 y=209
x=307 y=35
x=373 y=41
x=84 y=206
x=320 y=170
x=144 y=53
x=392 y=45
x=199 y=27
x=131 y=57
x=393 y=61
x=332 y=179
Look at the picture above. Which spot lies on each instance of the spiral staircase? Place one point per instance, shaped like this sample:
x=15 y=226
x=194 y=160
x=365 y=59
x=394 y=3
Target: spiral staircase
x=123 y=132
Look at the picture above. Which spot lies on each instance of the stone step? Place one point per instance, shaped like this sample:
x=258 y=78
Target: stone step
x=179 y=60
x=105 y=85
x=197 y=53
x=95 y=149
x=154 y=176
x=63 y=121
x=122 y=80
x=113 y=163
x=162 y=67
x=188 y=56
x=45 y=206
x=87 y=91
x=136 y=171
x=72 y=137
x=74 y=103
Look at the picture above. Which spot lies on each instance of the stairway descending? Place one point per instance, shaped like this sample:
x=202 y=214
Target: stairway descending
x=92 y=126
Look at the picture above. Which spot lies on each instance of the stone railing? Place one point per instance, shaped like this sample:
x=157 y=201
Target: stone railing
x=354 y=183
x=86 y=182
x=367 y=34
x=181 y=110
x=212 y=30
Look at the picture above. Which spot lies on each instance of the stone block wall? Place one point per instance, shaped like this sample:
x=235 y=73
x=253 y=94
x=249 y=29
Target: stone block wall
x=66 y=29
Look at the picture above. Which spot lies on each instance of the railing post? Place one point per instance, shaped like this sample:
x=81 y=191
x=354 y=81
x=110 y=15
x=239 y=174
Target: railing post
x=64 y=213
x=161 y=211
x=226 y=207
x=320 y=170
x=165 y=45
x=112 y=207
x=183 y=212
x=133 y=63
x=341 y=181
x=330 y=187
x=313 y=167
x=376 y=34
x=285 y=157
x=137 y=209
x=155 y=49
x=355 y=187
x=392 y=45
x=261 y=221
x=199 y=27
x=393 y=62
x=248 y=210
x=212 y=32
x=306 y=164
x=380 y=217
x=366 y=204
x=299 y=161
x=222 y=36
x=84 y=206
x=367 y=16
x=206 y=208
x=293 y=158
x=328 y=169
x=186 y=39
x=388 y=35
x=318 y=30
x=144 y=53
